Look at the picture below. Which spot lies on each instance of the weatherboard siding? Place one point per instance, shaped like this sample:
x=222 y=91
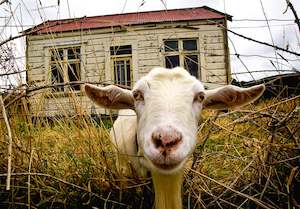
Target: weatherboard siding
x=147 y=53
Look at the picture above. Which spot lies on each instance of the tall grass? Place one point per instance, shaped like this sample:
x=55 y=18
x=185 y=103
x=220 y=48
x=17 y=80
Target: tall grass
x=247 y=158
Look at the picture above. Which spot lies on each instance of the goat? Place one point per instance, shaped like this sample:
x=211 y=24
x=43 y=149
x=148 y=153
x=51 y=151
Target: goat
x=167 y=103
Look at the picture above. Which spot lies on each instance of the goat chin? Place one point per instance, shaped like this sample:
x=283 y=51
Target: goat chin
x=165 y=170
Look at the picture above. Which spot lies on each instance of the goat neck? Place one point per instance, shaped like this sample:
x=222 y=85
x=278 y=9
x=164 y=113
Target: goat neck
x=167 y=190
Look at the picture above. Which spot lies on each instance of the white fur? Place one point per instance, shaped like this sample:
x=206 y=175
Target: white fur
x=169 y=99
x=123 y=136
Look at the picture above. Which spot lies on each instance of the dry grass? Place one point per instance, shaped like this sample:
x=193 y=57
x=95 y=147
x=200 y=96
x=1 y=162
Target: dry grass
x=245 y=159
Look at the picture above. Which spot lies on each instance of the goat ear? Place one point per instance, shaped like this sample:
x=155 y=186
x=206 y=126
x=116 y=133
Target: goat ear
x=231 y=96
x=110 y=97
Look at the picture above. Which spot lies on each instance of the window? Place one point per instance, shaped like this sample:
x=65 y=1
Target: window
x=191 y=64
x=171 y=45
x=184 y=53
x=120 y=50
x=65 y=67
x=121 y=57
x=172 y=61
x=189 y=45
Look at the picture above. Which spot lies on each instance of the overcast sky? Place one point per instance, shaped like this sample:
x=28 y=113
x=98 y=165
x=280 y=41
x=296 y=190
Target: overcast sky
x=283 y=33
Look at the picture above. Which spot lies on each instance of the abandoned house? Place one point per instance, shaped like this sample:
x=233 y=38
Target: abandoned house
x=120 y=49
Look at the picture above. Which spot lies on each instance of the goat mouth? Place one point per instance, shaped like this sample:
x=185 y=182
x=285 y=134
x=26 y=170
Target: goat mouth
x=166 y=166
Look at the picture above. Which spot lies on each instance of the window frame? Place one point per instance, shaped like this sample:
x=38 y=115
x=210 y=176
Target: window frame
x=122 y=57
x=64 y=65
x=183 y=53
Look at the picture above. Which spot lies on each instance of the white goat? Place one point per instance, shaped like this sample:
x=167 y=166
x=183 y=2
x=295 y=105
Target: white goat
x=167 y=103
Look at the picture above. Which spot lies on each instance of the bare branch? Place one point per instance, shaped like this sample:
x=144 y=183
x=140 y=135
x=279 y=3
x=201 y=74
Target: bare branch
x=28 y=90
x=4 y=1
x=12 y=38
x=264 y=43
x=290 y=5
x=64 y=182
x=6 y=74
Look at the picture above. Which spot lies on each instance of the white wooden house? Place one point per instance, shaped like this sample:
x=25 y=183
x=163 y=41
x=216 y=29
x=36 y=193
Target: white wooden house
x=120 y=49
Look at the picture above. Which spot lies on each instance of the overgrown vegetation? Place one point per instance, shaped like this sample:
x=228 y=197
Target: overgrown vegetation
x=246 y=158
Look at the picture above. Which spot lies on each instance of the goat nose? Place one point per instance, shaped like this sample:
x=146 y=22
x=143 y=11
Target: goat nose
x=166 y=138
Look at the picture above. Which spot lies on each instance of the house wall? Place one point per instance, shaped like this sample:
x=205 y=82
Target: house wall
x=147 y=53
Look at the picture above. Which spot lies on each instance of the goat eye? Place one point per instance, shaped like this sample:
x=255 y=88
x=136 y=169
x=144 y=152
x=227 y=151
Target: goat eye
x=199 y=97
x=138 y=95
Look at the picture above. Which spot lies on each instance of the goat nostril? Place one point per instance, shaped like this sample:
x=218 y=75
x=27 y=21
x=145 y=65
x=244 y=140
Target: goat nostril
x=156 y=139
x=158 y=143
x=172 y=143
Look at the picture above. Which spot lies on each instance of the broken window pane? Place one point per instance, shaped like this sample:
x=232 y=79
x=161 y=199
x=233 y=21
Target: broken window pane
x=57 y=54
x=189 y=45
x=191 y=64
x=171 y=45
x=65 y=67
x=57 y=77
x=74 y=53
x=172 y=61
x=74 y=75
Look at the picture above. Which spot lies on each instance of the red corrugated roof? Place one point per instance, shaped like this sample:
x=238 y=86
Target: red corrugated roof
x=198 y=13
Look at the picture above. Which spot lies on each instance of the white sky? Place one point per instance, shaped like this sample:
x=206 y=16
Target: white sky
x=284 y=33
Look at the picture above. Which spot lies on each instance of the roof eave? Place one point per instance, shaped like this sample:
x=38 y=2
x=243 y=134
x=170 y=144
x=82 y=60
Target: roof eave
x=124 y=25
x=226 y=16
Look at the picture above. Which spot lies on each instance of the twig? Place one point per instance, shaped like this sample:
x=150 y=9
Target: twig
x=232 y=184
x=16 y=98
x=29 y=170
x=285 y=160
x=65 y=182
x=257 y=201
x=9 y=144
x=264 y=71
x=266 y=184
x=290 y=5
x=292 y=175
x=37 y=88
x=256 y=140
x=263 y=43
x=105 y=83
x=6 y=74
x=207 y=191
x=273 y=43
x=197 y=154
x=11 y=39
x=265 y=108
x=251 y=39
x=4 y=1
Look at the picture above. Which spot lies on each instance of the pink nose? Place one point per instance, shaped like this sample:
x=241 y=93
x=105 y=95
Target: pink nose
x=166 y=139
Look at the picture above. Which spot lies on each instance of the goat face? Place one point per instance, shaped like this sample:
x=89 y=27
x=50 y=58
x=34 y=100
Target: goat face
x=168 y=105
